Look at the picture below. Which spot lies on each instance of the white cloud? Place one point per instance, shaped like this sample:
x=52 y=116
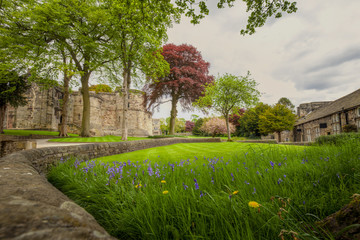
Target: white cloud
x=312 y=55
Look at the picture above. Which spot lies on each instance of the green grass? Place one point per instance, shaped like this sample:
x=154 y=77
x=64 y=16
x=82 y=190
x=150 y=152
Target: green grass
x=108 y=138
x=295 y=186
x=32 y=132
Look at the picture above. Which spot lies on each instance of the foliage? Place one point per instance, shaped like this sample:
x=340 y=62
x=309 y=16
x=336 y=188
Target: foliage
x=189 y=126
x=287 y=103
x=276 y=119
x=234 y=119
x=260 y=11
x=350 y=128
x=12 y=89
x=185 y=82
x=196 y=130
x=215 y=126
x=338 y=139
x=100 y=88
x=209 y=188
x=228 y=94
x=249 y=122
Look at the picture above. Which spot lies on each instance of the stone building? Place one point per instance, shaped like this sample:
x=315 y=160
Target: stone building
x=325 y=118
x=43 y=112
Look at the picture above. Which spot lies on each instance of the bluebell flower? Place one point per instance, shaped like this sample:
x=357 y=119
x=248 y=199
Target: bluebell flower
x=279 y=181
x=185 y=186
x=196 y=184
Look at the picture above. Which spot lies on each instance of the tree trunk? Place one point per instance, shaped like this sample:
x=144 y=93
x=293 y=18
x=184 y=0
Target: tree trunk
x=228 y=127
x=279 y=135
x=125 y=92
x=64 y=110
x=85 y=123
x=173 y=113
x=2 y=117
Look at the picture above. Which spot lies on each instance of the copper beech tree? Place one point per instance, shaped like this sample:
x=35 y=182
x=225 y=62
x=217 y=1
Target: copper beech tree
x=189 y=73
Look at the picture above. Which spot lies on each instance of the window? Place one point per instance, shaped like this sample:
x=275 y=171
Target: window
x=358 y=111
x=317 y=132
x=335 y=118
x=358 y=124
x=336 y=128
x=308 y=135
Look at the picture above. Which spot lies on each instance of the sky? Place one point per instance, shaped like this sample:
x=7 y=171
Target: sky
x=311 y=55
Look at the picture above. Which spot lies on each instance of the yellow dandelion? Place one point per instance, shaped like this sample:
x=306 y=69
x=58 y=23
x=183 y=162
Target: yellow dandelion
x=235 y=192
x=165 y=192
x=138 y=186
x=254 y=204
x=163 y=181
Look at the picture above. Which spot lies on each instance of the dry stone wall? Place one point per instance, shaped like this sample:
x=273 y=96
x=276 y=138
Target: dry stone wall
x=31 y=208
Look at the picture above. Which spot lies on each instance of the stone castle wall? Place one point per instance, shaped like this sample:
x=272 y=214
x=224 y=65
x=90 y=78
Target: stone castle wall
x=305 y=108
x=106 y=112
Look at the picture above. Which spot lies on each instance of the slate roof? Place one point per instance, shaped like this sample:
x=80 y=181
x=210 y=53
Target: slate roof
x=347 y=102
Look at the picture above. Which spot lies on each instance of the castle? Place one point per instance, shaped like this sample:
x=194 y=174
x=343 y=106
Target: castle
x=43 y=111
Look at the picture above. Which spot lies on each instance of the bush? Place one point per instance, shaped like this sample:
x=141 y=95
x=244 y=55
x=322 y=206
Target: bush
x=349 y=128
x=338 y=139
x=216 y=126
x=196 y=130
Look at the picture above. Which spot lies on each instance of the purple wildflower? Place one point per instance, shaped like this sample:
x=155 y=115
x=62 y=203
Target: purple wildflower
x=150 y=171
x=232 y=175
x=279 y=181
x=185 y=186
x=272 y=164
x=254 y=191
x=196 y=184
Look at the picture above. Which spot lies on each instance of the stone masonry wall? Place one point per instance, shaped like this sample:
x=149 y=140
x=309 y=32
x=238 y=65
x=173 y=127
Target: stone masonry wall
x=43 y=112
x=31 y=208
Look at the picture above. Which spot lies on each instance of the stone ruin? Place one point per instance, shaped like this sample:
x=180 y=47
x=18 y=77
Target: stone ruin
x=43 y=111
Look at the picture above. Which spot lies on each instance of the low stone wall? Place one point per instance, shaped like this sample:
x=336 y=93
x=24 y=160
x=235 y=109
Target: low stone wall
x=31 y=208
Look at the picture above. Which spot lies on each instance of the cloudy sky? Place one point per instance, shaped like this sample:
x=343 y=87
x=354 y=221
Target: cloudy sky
x=311 y=55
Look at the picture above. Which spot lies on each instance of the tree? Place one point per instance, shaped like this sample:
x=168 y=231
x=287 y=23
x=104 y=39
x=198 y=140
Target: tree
x=276 y=119
x=185 y=82
x=287 y=103
x=12 y=88
x=234 y=118
x=215 y=126
x=196 y=130
x=96 y=34
x=229 y=93
x=189 y=126
x=249 y=122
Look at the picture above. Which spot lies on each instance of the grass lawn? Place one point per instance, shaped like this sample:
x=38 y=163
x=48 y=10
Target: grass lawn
x=31 y=132
x=182 y=151
x=108 y=138
x=214 y=190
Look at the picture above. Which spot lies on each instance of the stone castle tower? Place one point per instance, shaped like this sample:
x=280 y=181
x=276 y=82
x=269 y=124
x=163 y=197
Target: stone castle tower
x=43 y=111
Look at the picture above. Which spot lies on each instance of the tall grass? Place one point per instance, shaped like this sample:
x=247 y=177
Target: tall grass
x=208 y=198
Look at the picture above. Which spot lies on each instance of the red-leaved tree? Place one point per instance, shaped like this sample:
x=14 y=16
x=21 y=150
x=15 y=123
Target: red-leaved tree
x=185 y=83
x=189 y=126
x=215 y=126
x=235 y=117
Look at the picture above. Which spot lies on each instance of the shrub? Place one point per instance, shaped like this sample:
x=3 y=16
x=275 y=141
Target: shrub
x=349 y=128
x=100 y=88
x=196 y=130
x=338 y=139
x=216 y=126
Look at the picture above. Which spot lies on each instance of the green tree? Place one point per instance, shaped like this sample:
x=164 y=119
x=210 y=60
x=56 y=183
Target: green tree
x=287 y=103
x=228 y=94
x=276 y=119
x=196 y=130
x=97 y=35
x=12 y=89
x=249 y=122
